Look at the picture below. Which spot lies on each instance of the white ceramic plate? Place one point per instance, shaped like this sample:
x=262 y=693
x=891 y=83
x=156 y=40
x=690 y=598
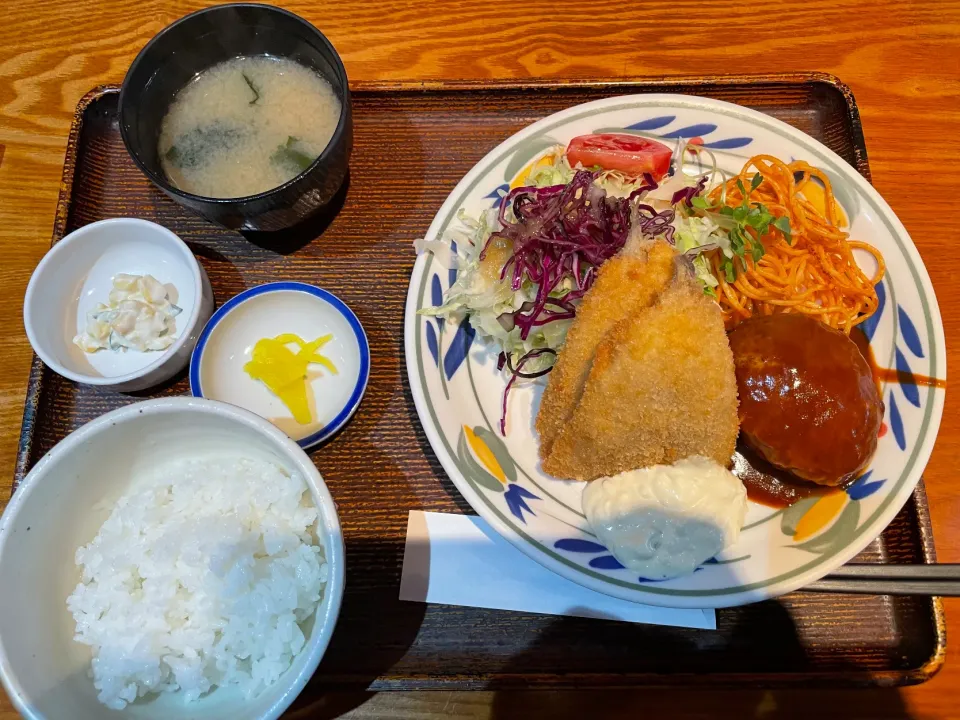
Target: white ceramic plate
x=457 y=388
x=226 y=345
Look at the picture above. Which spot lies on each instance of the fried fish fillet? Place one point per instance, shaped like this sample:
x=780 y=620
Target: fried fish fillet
x=626 y=283
x=661 y=388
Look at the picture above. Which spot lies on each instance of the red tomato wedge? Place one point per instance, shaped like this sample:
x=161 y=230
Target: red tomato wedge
x=629 y=154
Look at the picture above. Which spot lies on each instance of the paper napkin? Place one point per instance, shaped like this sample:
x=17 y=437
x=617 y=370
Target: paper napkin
x=459 y=560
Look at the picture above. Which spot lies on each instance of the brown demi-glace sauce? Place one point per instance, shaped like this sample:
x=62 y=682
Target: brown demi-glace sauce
x=769 y=485
x=778 y=488
x=881 y=375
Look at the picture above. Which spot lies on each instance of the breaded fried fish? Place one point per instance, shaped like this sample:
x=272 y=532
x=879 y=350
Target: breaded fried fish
x=661 y=387
x=625 y=284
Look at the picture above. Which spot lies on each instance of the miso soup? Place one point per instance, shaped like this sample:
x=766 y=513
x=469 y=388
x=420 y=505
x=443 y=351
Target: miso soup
x=245 y=126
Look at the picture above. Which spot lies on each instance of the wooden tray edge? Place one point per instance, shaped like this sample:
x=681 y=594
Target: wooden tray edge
x=512 y=681
x=595 y=82
x=37 y=369
x=877 y=679
x=935 y=662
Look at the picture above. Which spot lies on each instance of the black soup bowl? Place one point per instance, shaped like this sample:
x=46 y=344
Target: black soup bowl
x=203 y=39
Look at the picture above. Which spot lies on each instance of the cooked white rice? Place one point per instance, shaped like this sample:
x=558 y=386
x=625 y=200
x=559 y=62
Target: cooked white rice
x=200 y=578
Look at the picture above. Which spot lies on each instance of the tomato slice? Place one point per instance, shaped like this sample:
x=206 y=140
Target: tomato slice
x=630 y=154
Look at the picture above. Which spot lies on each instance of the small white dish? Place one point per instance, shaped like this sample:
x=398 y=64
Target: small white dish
x=61 y=505
x=226 y=345
x=77 y=273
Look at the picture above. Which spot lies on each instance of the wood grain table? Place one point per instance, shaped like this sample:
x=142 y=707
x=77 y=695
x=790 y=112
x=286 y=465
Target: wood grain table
x=902 y=60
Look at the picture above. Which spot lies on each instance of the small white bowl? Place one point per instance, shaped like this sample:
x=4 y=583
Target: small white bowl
x=77 y=273
x=61 y=505
x=226 y=345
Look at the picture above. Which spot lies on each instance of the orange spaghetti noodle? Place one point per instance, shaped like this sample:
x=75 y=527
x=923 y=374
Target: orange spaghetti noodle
x=814 y=272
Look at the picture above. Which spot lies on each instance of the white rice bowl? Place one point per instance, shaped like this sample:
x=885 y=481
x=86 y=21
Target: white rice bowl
x=76 y=489
x=199 y=577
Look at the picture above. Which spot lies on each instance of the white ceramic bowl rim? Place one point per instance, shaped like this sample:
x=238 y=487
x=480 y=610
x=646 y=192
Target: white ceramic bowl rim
x=360 y=334
x=77 y=236
x=317 y=643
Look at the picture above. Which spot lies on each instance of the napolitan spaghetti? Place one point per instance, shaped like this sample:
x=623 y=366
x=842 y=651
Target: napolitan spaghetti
x=811 y=271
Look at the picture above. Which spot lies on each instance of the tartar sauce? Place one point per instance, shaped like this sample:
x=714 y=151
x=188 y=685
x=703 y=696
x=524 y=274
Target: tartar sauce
x=665 y=520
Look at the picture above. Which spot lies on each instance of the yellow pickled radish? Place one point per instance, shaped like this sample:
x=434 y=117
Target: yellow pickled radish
x=284 y=371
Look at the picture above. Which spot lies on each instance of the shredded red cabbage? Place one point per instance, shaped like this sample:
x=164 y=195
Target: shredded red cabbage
x=653 y=223
x=567 y=231
x=517 y=372
x=689 y=193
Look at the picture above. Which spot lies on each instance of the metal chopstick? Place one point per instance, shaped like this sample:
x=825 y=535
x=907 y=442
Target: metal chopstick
x=881 y=579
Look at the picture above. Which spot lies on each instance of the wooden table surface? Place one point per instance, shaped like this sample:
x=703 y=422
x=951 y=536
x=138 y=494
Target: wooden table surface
x=902 y=60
